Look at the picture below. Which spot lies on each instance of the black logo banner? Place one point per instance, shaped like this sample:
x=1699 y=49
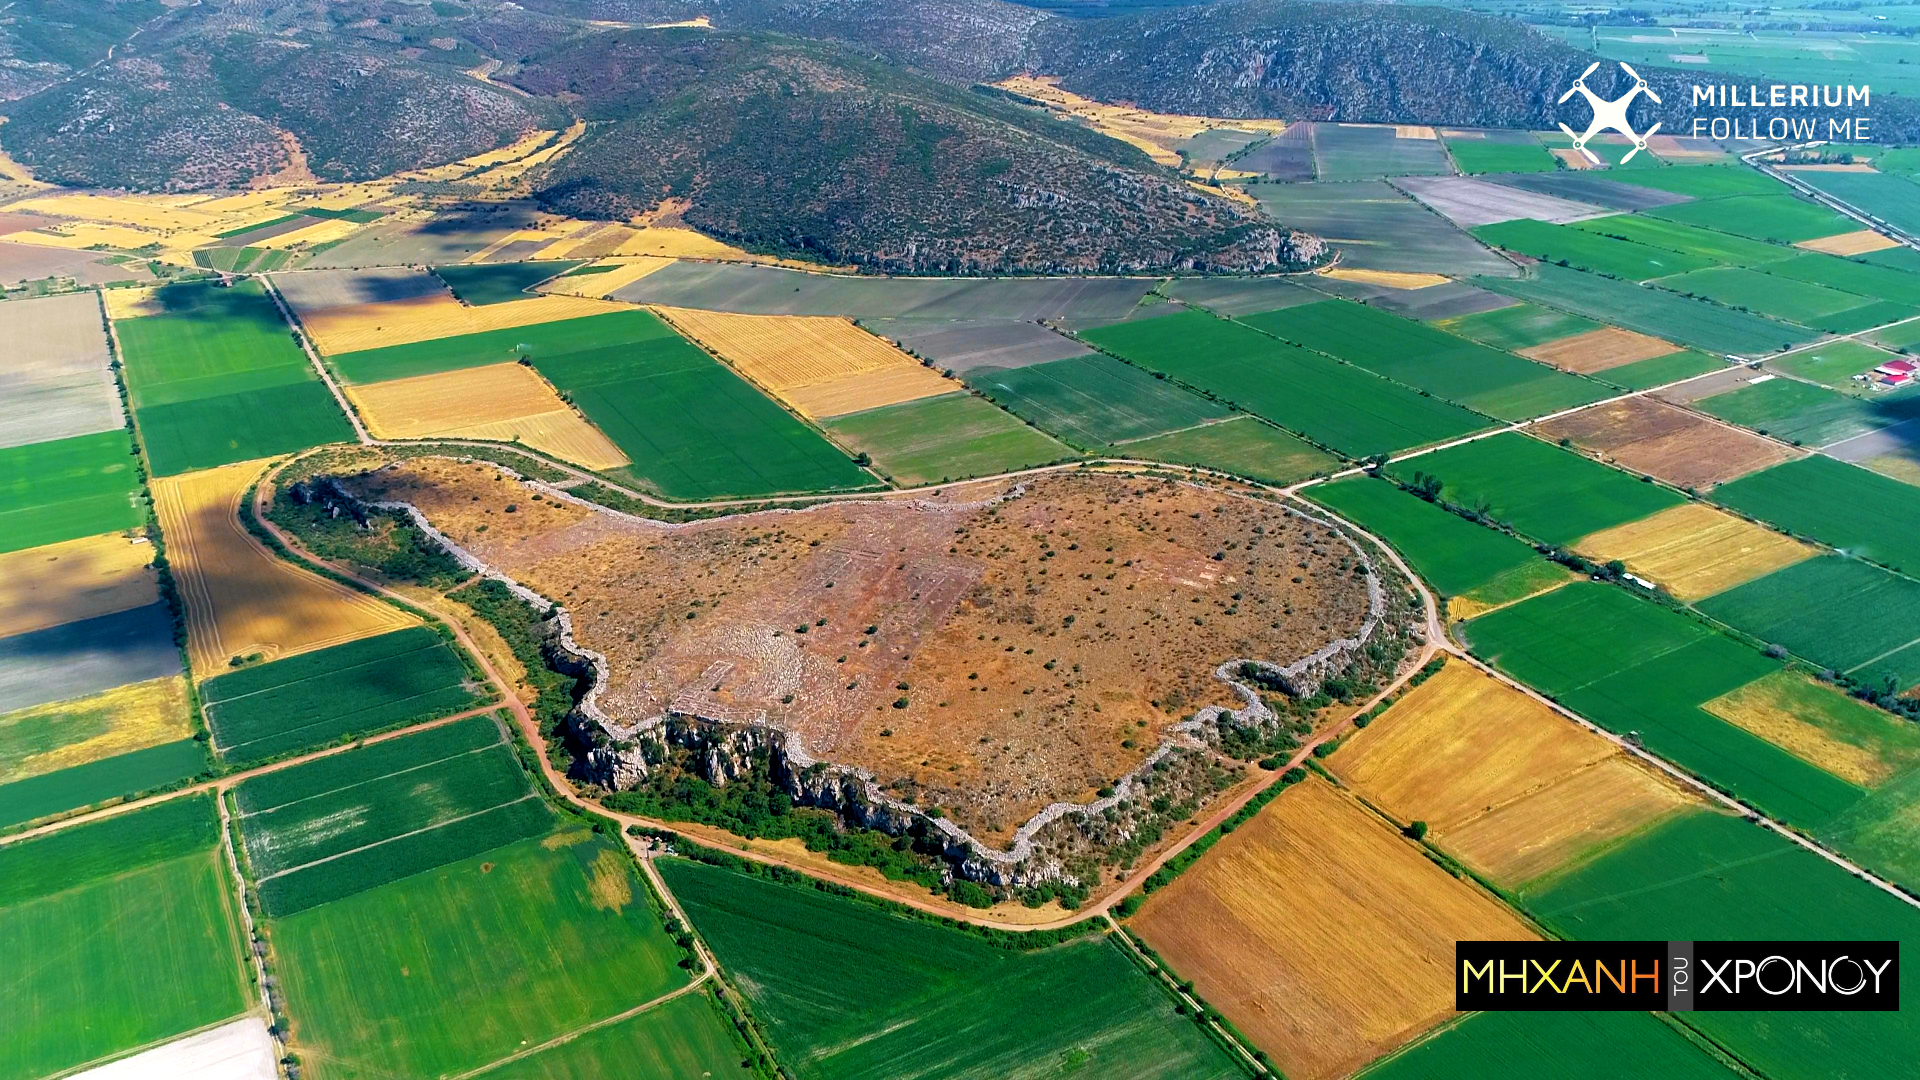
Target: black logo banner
x=1677 y=976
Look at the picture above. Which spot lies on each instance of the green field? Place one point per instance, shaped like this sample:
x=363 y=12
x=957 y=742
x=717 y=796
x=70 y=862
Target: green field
x=1379 y=227
x=1243 y=446
x=218 y=378
x=1560 y=1045
x=1520 y=326
x=1588 y=250
x=1485 y=155
x=692 y=428
x=1370 y=152
x=950 y=437
x=1091 y=401
x=1879 y=282
x=450 y=969
x=1693 y=240
x=1842 y=505
x=67 y=489
x=1660 y=370
x=1879 y=832
x=1832 y=364
x=1649 y=310
x=116 y=934
x=1458 y=557
x=1801 y=413
x=1497 y=383
x=319 y=697
x=98 y=781
x=1838 y=612
x=1337 y=405
x=1631 y=665
x=1705 y=181
x=540 y=341
x=1785 y=298
x=497 y=283
x=1782 y=218
x=1554 y=496
x=1712 y=877
x=849 y=991
x=1893 y=199
x=686 y=1037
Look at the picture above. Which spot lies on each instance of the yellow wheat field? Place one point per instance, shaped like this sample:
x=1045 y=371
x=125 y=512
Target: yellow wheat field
x=1392 y=279
x=677 y=243
x=130 y=303
x=1821 y=726
x=1413 y=131
x=1569 y=820
x=1851 y=243
x=322 y=231
x=1155 y=134
x=1598 y=350
x=1320 y=932
x=77 y=579
x=1695 y=550
x=151 y=212
x=624 y=272
x=400 y=322
x=500 y=401
x=92 y=728
x=821 y=366
x=240 y=598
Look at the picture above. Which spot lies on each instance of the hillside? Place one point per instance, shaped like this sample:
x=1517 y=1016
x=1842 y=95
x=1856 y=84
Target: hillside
x=801 y=148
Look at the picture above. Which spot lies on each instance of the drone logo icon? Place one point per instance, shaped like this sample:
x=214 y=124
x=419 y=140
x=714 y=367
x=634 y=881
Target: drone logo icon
x=1609 y=115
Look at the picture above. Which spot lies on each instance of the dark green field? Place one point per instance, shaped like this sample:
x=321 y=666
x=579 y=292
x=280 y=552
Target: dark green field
x=1785 y=298
x=540 y=341
x=1697 y=323
x=1458 y=557
x=1560 y=1045
x=462 y=965
x=497 y=283
x=1802 y=413
x=1894 y=199
x=217 y=378
x=950 y=437
x=1521 y=326
x=1703 y=181
x=316 y=698
x=1497 y=383
x=1642 y=374
x=1092 y=401
x=1832 y=364
x=849 y=991
x=1631 y=665
x=686 y=1037
x=1841 y=505
x=1712 y=877
x=1340 y=406
x=1838 y=612
x=1864 y=279
x=116 y=934
x=1786 y=219
x=1484 y=155
x=1554 y=496
x=67 y=489
x=98 y=781
x=1585 y=250
x=1243 y=446
x=1693 y=240
x=692 y=428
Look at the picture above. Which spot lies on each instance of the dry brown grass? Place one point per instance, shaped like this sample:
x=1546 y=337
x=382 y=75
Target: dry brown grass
x=130 y=303
x=611 y=887
x=1851 y=243
x=1155 y=134
x=1695 y=550
x=1413 y=131
x=820 y=366
x=507 y=402
x=1504 y=782
x=1319 y=932
x=1392 y=279
x=159 y=213
x=77 y=579
x=240 y=598
x=1598 y=350
x=401 y=322
x=1683 y=448
x=1573 y=159
x=118 y=721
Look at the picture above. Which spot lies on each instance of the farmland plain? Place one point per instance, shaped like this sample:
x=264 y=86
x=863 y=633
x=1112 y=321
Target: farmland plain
x=1784 y=298
x=1839 y=612
x=317 y=697
x=75 y=731
x=1376 y=227
x=86 y=656
x=688 y=1036
x=1567 y=1045
x=1847 y=507
x=1091 y=401
x=1243 y=446
x=1695 y=550
x=1715 y=247
x=1651 y=311
x=766 y=290
x=482 y=284
x=1667 y=443
x=1824 y=726
x=55 y=371
x=950 y=437
x=1519 y=326
x=1781 y=218
x=146 y=769
x=1497 y=151
x=819 y=366
x=75 y=579
x=1802 y=412
x=65 y=489
x=906 y=998
x=1586 y=250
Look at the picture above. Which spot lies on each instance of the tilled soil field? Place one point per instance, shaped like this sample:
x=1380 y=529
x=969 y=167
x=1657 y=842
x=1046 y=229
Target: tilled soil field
x=988 y=650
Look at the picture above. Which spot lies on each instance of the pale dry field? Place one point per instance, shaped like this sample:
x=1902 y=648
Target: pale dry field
x=625 y=272
x=507 y=402
x=1155 y=134
x=161 y=213
x=240 y=598
x=1506 y=784
x=1572 y=159
x=54 y=378
x=424 y=318
x=819 y=365
x=74 y=580
x=116 y=721
x=1851 y=243
x=1598 y=350
x=1321 y=933
x=1392 y=279
x=1695 y=550
x=322 y=231
x=1771 y=708
x=131 y=303
x=240 y=1050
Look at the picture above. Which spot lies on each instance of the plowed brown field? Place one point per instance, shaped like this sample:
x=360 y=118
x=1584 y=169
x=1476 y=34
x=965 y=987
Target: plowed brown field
x=240 y=598
x=1666 y=442
x=1695 y=550
x=1322 y=934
